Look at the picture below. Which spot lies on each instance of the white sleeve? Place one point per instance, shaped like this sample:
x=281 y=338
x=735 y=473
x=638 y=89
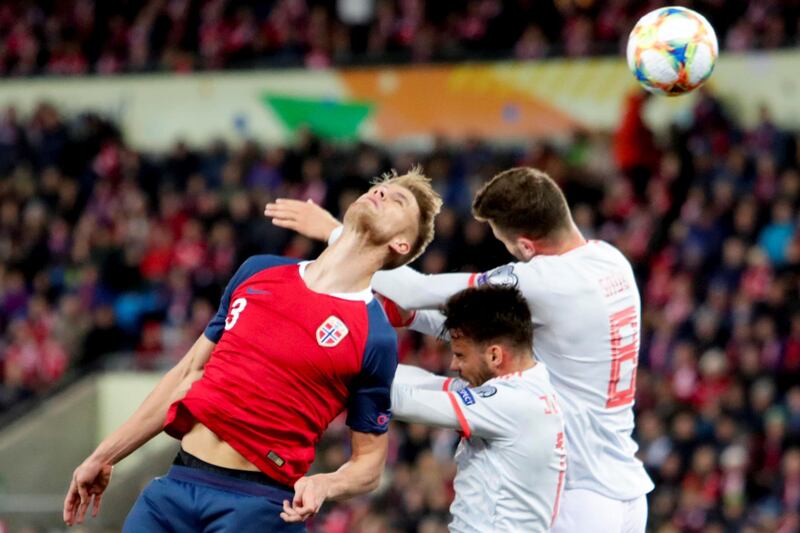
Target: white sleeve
x=335 y=234
x=413 y=290
x=414 y=376
x=486 y=411
x=429 y=322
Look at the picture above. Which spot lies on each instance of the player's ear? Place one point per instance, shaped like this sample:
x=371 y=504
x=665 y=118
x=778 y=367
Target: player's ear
x=527 y=247
x=400 y=245
x=495 y=355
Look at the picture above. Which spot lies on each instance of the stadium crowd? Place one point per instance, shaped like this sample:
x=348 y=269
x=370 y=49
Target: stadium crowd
x=108 y=250
x=82 y=36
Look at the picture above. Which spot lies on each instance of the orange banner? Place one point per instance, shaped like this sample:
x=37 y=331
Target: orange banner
x=455 y=102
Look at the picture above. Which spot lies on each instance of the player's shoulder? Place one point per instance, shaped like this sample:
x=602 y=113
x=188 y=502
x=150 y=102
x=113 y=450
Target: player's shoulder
x=381 y=333
x=502 y=399
x=535 y=378
x=507 y=386
x=568 y=269
x=257 y=263
x=380 y=350
x=592 y=248
x=607 y=249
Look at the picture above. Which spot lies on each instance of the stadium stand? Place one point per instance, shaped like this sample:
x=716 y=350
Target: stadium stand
x=115 y=257
x=81 y=36
x=108 y=250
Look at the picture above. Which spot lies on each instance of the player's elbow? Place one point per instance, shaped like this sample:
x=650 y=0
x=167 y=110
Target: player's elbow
x=370 y=477
x=373 y=480
x=368 y=460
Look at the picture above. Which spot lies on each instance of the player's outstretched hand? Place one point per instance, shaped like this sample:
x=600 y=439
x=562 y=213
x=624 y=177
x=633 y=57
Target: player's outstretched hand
x=89 y=481
x=309 y=495
x=306 y=218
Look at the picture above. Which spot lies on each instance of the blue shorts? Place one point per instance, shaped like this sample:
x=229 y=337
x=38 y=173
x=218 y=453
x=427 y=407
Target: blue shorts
x=193 y=500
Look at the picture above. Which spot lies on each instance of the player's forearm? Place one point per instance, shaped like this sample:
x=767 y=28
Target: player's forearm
x=148 y=419
x=128 y=438
x=414 y=376
x=423 y=406
x=413 y=290
x=353 y=478
x=362 y=472
x=143 y=425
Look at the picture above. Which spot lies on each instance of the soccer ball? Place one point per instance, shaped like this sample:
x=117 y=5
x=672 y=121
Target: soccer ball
x=672 y=50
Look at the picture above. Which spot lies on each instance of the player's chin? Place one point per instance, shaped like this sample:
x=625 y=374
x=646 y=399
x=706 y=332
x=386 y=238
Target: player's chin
x=369 y=222
x=359 y=215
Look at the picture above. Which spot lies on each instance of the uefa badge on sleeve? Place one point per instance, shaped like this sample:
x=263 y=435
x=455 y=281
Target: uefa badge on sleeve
x=331 y=332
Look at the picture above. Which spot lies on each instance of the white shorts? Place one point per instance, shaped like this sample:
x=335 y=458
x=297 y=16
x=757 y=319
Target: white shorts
x=584 y=511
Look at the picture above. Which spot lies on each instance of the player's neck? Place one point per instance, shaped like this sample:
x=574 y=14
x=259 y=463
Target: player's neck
x=571 y=239
x=345 y=266
x=517 y=364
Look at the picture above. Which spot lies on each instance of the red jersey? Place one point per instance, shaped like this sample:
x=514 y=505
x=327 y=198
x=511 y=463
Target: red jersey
x=288 y=360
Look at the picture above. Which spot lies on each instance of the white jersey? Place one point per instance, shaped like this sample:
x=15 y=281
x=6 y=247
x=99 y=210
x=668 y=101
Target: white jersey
x=587 y=314
x=511 y=462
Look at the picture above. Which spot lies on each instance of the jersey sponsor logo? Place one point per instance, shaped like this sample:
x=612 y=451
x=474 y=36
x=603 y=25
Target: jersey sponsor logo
x=331 y=332
x=275 y=458
x=251 y=290
x=485 y=391
x=500 y=277
x=466 y=397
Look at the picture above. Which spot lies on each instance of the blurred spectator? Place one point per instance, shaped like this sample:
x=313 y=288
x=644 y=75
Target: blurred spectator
x=108 y=250
x=183 y=35
x=634 y=146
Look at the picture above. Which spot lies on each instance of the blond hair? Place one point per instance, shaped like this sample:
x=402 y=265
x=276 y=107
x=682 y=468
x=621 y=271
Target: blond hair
x=429 y=203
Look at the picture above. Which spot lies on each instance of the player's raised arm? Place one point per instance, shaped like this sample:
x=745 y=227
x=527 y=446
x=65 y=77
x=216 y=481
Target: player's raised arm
x=306 y=218
x=414 y=290
x=91 y=478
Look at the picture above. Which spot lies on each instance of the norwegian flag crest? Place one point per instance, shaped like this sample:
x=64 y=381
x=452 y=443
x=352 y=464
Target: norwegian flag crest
x=331 y=332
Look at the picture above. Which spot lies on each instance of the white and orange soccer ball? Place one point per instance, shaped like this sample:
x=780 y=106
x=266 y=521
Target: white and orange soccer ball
x=672 y=50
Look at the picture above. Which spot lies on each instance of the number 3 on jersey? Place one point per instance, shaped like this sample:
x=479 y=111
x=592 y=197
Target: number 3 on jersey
x=236 y=309
x=624 y=351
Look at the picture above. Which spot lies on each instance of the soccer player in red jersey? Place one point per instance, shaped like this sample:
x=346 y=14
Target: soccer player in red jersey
x=291 y=346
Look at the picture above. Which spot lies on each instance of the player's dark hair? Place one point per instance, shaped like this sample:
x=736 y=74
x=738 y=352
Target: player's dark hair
x=523 y=200
x=490 y=314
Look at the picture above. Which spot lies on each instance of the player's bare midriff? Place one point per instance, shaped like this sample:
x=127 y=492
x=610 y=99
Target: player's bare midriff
x=206 y=446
